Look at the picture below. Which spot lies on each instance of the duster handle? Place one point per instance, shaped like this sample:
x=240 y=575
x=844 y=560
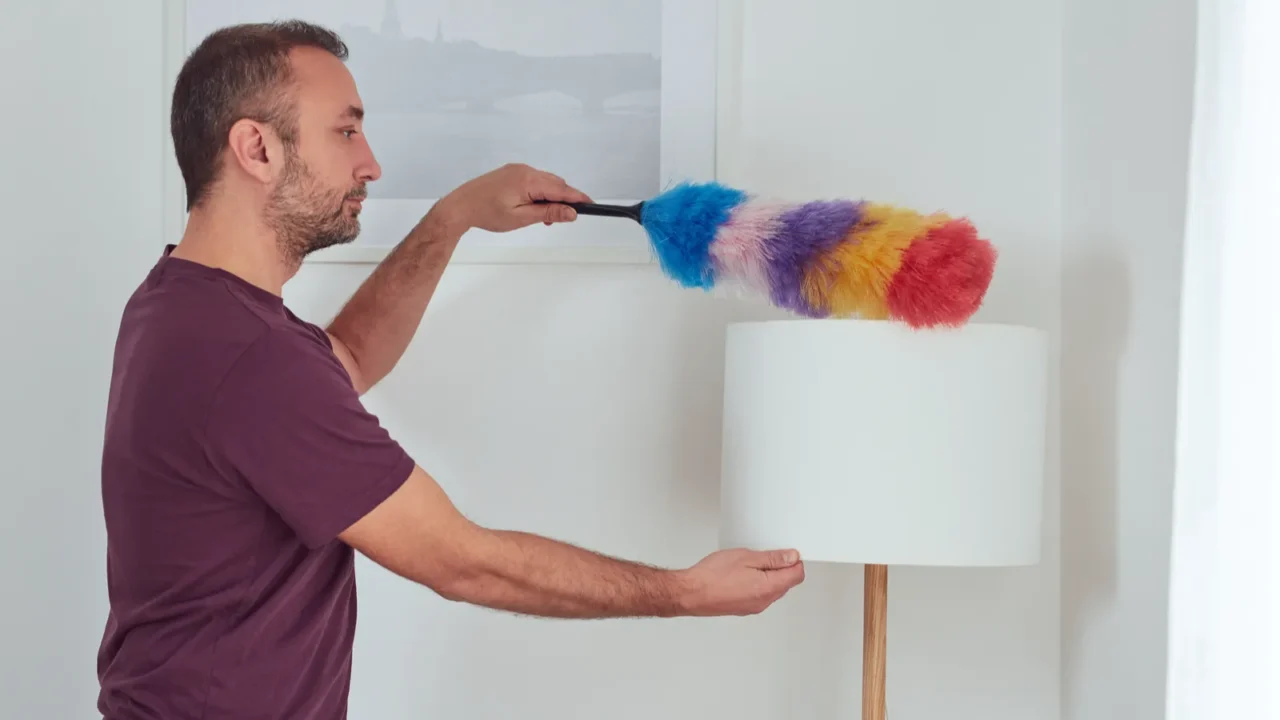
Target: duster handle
x=601 y=209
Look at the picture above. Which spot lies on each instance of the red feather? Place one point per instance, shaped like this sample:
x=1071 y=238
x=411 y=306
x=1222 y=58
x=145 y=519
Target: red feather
x=943 y=277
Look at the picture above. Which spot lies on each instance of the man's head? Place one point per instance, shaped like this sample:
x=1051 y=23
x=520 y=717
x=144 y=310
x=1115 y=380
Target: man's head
x=267 y=115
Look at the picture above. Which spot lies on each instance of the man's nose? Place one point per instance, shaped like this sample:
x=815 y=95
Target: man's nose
x=370 y=170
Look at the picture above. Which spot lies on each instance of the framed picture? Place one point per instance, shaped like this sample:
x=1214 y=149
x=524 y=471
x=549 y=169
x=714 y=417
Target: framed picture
x=619 y=97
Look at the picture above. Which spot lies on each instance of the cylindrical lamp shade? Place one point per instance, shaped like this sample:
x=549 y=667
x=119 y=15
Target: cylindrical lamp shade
x=870 y=442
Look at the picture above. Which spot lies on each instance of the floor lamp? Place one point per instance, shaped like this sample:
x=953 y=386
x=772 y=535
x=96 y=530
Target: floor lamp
x=871 y=443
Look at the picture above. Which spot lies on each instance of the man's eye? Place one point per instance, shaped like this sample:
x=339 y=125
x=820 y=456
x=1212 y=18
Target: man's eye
x=348 y=133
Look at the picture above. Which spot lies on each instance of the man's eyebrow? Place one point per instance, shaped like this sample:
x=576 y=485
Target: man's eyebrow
x=354 y=111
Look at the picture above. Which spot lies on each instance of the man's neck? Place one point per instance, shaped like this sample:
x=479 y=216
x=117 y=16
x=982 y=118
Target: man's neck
x=243 y=248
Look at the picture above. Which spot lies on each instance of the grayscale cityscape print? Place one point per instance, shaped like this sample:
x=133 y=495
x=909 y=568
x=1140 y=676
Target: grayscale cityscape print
x=455 y=88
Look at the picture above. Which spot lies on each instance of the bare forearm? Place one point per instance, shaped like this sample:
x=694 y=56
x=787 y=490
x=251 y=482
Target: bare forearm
x=418 y=534
x=533 y=575
x=380 y=319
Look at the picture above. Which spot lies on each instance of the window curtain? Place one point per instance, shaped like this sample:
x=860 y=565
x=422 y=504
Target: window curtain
x=1224 y=604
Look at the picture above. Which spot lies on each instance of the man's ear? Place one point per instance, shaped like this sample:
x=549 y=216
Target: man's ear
x=256 y=149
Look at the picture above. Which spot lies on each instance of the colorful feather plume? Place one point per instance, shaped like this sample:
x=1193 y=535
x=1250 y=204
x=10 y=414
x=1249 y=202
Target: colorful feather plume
x=825 y=258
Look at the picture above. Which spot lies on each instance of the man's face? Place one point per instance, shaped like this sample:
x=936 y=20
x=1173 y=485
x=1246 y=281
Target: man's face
x=317 y=201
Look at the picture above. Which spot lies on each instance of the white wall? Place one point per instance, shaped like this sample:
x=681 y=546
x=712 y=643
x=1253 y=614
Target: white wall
x=80 y=160
x=959 y=112
x=1128 y=88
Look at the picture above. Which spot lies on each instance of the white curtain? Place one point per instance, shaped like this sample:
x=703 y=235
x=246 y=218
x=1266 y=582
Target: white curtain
x=1224 y=611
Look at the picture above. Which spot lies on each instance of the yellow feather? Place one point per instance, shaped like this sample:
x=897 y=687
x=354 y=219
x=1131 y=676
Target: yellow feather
x=852 y=279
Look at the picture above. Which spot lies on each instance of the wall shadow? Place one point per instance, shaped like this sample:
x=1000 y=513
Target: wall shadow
x=1096 y=302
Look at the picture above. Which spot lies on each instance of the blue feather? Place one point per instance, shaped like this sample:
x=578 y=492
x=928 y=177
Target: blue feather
x=682 y=222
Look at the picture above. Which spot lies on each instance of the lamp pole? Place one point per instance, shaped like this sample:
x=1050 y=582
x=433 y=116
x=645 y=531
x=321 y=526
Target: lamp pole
x=875 y=598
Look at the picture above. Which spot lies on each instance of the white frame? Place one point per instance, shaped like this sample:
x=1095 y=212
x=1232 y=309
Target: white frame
x=693 y=146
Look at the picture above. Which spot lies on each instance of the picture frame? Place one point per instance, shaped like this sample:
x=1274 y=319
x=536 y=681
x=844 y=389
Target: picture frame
x=696 y=100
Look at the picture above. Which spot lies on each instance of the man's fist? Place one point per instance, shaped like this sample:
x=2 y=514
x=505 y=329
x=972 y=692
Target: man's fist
x=506 y=199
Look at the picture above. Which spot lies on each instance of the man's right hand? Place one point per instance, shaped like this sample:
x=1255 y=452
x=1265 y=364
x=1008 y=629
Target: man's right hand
x=740 y=582
x=509 y=198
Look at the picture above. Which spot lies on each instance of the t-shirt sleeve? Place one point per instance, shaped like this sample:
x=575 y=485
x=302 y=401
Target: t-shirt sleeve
x=287 y=423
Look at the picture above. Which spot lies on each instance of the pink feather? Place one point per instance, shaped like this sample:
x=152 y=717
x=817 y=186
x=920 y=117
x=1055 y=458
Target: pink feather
x=739 y=250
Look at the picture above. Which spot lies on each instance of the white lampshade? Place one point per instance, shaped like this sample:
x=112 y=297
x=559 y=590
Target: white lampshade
x=870 y=442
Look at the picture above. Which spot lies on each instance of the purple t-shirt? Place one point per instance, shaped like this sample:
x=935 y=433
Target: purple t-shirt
x=235 y=450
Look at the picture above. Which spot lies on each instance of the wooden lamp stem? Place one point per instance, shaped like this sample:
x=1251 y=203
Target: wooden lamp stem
x=874 y=607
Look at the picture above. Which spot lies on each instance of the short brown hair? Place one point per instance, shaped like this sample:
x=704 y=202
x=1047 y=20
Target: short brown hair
x=240 y=71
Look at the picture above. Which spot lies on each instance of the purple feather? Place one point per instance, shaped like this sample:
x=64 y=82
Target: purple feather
x=805 y=231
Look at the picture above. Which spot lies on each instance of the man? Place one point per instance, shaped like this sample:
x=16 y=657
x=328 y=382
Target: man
x=241 y=472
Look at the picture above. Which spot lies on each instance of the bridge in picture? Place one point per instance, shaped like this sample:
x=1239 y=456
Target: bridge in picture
x=398 y=73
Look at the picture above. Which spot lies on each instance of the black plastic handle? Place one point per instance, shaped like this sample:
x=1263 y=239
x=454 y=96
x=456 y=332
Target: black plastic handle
x=604 y=210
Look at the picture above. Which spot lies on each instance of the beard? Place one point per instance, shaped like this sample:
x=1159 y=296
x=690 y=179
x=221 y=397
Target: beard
x=308 y=216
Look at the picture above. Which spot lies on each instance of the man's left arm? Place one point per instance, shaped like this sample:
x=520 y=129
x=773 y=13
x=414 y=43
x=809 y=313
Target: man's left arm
x=375 y=327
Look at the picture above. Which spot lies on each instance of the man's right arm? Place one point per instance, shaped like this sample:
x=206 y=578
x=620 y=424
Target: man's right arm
x=419 y=534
